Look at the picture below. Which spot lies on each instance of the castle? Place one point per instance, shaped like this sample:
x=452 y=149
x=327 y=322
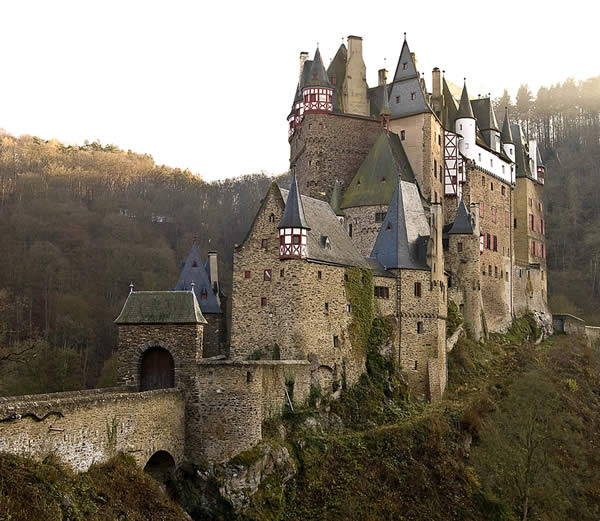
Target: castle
x=403 y=200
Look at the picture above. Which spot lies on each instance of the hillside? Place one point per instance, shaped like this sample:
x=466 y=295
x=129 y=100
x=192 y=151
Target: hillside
x=515 y=439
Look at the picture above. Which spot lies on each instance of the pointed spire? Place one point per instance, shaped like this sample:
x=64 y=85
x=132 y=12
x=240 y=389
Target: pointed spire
x=318 y=75
x=336 y=199
x=464 y=109
x=493 y=120
x=392 y=247
x=293 y=215
x=462 y=221
x=507 y=137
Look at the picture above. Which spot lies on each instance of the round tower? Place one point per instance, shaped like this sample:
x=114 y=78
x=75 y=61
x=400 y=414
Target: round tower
x=317 y=94
x=465 y=125
x=293 y=227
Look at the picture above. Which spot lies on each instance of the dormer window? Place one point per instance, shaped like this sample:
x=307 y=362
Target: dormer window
x=380 y=217
x=404 y=66
x=388 y=227
x=397 y=99
x=203 y=294
x=413 y=95
x=272 y=218
x=403 y=135
x=194 y=264
x=325 y=242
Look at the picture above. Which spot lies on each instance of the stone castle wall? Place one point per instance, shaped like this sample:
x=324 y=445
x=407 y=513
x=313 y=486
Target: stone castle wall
x=236 y=397
x=214 y=335
x=327 y=147
x=364 y=227
x=528 y=196
x=88 y=427
x=529 y=289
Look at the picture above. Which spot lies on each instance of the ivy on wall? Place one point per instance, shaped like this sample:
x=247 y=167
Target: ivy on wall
x=359 y=290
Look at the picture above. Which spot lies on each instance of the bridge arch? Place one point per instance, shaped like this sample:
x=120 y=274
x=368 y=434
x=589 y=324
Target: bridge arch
x=161 y=466
x=156 y=368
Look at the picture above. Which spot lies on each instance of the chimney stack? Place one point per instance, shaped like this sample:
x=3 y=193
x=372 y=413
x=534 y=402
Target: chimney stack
x=382 y=75
x=436 y=89
x=414 y=57
x=303 y=58
x=213 y=272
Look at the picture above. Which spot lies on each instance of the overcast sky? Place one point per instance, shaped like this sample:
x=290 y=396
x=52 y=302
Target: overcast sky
x=208 y=85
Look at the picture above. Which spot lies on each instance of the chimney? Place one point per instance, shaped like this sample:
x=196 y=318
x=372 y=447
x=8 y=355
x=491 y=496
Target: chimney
x=382 y=75
x=436 y=83
x=303 y=57
x=414 y=57
x=213 y=271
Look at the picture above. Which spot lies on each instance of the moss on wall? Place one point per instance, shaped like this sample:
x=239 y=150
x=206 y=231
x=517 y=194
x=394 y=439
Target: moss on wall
x=359 y=289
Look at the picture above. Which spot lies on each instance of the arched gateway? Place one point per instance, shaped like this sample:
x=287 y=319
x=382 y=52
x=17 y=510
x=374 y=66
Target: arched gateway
x=157 y=369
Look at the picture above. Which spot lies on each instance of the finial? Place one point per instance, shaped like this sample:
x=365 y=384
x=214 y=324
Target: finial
x=193 y=285
x=443 y=72
x=131 y=287
x=317 y=45
x=384 y=62
x=404 y=36
x=465 y=80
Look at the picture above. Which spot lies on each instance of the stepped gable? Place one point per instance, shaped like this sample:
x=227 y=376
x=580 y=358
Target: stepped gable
x=375 y=181
x=521 y=152
x=462 y=222
x=161 y=307
x=406 y=94
x=404 y=235
x=327 y=240
x=194 y=270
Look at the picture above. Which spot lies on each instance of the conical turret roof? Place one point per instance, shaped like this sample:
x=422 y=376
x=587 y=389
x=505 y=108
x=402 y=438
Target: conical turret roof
x=194 y=276
x=507 y=137
x=293 y=214
x=399 y=243
x=464 y=109
x=318 y=75
x=336 y=199
x=462 y=221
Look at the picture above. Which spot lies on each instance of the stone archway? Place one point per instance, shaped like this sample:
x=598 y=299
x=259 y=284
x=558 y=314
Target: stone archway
x=157 y=369
x=161 y=466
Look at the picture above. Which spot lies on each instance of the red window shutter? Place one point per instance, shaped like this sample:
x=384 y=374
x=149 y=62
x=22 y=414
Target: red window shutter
x=506 y=218
x=481 y=209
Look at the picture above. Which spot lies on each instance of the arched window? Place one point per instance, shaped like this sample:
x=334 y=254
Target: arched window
x=157 y=369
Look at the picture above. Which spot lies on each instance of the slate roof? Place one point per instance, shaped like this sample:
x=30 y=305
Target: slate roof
x=318 y=75
x=506 y=135
x=196 y=271
x=539 y=157
x=337 y=70
x=293 y=214
x=405 y=58
x=375 y=95
x=521 y=152
x=324 y=223
x=402 y=241
x=462 y=222
x=464 y=108
x=375 y=180
x=450 y=108
x=161 y=307
x=336 y=199
x=484 y=114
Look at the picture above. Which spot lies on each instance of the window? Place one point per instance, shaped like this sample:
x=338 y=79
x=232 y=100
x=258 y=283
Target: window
x=417 y=289
x=541 y=206
x=336 y=341
x=346 y=277
x=403 y=135
x=495 y=243
x=272 y=218
x=379 y=217
x=295 y=239
x=263 y=244
x=506 y=218
x=491 y=187
x=416 y=365
x=491 y=163
x=195 y=264
x=515 y=222
x=493 y=214
x=459 y=247
x=530 y=202
x=481 y=209
x=435 y=168
x=246 y=274
x=319 y=275
x=203 y=294
x=382 y=292
x=496 y=271
x=488 y=241
x=404 y=66
x=532 y=247
x=263 y=301
x=419 y=327
x=350 y=230
x=531 y=222
x=439 y=139
x=281 y=273
x=482 y=180
x=248 y=377
x=413 y=95
x=348 y=308
x=326 y=306
x=479 y=157
x=490 y=270
x=543 y=227
x=397 y=99
x=502 y=172
x=504 y=190
x=267 y=275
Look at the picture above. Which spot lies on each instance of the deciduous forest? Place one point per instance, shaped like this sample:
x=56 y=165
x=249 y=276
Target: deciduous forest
x=78 y=224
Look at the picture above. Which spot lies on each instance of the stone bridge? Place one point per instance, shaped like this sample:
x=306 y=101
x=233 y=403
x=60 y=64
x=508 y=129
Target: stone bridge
x=86 y=427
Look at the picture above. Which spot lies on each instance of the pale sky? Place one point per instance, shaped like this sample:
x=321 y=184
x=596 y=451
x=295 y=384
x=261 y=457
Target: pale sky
x=208 y=85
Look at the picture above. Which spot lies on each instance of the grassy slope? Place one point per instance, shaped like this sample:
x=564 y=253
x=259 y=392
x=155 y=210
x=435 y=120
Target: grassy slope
x=117 y=490
x=462 y=459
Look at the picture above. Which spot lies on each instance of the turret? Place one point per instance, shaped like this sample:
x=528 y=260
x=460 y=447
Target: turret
x=508 y=143
x=465 y=125
x=336 y=201
x=293 y=227
x=384 y=113
x=318 y=91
